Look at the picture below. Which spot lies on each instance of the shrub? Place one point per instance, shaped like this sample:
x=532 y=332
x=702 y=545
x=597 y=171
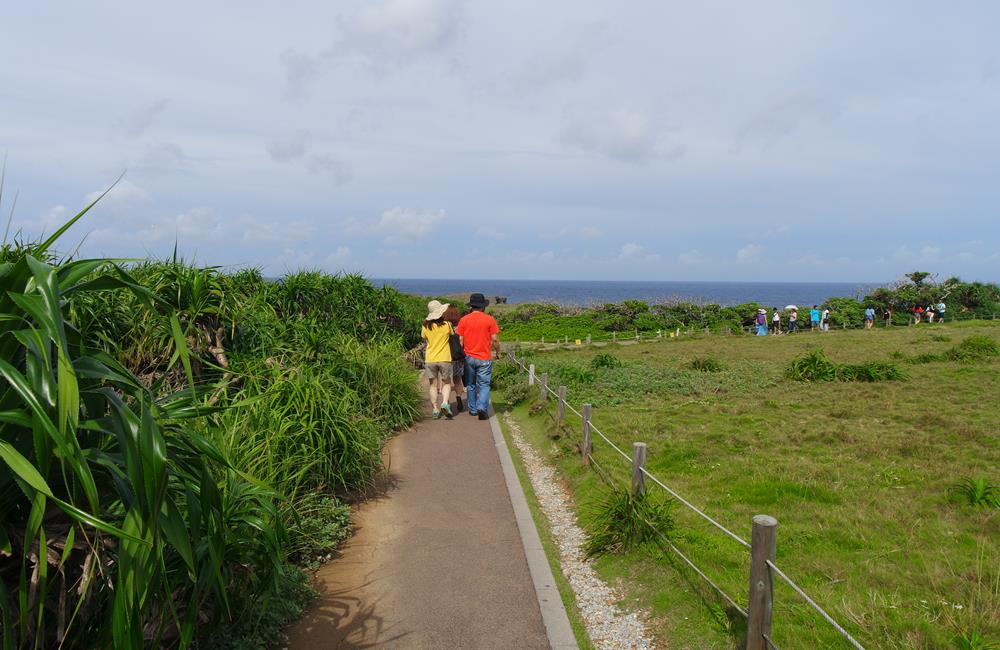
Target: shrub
x=815 y=366
x=623 y=521
x=706 y=364
x=574 y=374
x=516 y=393
x=974 y=348
x=977 y=492
x=605 y=360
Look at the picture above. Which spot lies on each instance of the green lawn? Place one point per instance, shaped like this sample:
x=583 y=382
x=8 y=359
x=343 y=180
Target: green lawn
x=857 y=475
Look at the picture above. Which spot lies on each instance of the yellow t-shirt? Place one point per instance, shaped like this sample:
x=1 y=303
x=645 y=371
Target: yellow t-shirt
x=438 y=350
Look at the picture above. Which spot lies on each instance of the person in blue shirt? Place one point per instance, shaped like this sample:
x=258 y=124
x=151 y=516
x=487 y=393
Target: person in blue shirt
x=814 y=318
x=869 y=317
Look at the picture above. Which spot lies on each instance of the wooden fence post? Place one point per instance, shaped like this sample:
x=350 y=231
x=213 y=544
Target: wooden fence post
x=585 y=445
x=638 y=464
x=588 y=339
x=762 y=545
x=614 y=337
x=561 y=413
x=544 y=388
x=531 y=375
x=637 y=335
x=543 y=339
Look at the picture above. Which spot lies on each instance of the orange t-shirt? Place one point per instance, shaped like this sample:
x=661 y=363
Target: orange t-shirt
x=477 y=329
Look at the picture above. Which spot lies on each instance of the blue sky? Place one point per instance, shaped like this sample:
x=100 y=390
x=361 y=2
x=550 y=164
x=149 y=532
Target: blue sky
x=815 y=141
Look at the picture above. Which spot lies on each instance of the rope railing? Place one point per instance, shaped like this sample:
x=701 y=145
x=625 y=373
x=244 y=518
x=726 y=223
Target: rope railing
x=762 y=616
x=665 y=334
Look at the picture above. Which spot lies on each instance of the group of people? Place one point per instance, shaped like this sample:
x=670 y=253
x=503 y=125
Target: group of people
x=819 y=320
x=459 y=356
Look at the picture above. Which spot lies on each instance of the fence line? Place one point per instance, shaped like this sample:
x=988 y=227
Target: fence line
x=758 y=614
x=662 y=334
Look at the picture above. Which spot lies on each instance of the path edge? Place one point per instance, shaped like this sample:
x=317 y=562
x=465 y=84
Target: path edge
x=554 y=616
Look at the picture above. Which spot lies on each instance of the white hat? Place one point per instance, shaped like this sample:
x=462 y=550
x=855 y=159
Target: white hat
x=435 y=310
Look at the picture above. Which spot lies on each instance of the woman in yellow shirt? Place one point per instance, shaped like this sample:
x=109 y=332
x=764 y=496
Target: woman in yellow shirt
x=437 y=358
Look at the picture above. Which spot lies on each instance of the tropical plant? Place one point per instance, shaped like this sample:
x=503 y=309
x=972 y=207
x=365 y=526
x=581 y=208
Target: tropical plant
x=977 y=492
x=623 y=520
x=605 y=360
x=706 y=364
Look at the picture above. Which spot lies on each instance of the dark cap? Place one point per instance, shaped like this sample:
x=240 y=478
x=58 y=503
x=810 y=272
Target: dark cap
x=478 y=301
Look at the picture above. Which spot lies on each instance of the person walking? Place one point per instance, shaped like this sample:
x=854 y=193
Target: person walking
x=918 y=314
x=457 y=360
x=761 y=322
x=940 y=308
x=887 y=316
x=869 y=317
x=776 y=322
x=825 y=324
x=480 y=336
x=437 y=358
x=793 y=322
x=814 y=318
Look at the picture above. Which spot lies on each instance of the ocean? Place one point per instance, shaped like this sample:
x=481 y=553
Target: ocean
x=585 y=293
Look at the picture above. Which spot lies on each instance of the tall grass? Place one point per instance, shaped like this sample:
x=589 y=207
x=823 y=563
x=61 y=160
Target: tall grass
x=165 y=431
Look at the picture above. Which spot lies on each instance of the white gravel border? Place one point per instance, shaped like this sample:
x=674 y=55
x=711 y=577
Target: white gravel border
x=607 y=625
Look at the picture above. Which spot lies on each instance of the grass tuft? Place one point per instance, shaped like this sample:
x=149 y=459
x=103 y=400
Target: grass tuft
x=974 y=348
x=977 y=492
x=623 y=521
x=706 y=364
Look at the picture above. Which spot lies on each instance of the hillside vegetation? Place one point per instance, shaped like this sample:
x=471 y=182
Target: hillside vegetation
x=172 y=441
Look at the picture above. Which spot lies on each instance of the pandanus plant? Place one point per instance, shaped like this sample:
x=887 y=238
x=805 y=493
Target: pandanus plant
x=120 y=523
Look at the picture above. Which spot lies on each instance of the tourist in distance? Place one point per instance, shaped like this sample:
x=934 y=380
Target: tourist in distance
x=437 y=358
x=825 y=323
x=887 y=316
x=869 y=317
x=940 y=308
x=457 y=357
x=793 y=321
x=918 y=314
x=480 y=336
x=761 y=322
x=814 y=318
x=776 y=322
x=930 y=313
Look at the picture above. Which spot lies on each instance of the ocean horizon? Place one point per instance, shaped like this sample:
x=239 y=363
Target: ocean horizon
x=594 y=292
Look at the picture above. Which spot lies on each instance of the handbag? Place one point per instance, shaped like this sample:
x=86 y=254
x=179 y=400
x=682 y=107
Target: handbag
x=455 y=344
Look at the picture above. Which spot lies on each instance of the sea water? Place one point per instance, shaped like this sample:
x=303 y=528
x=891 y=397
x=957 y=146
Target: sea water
x=586 y=293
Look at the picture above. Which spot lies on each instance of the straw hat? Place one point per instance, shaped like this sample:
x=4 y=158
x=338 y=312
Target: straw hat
x=435 y=310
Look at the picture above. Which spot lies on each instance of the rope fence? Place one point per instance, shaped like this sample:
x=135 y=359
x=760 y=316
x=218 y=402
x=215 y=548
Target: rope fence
x=661 y=335
x=762 y=545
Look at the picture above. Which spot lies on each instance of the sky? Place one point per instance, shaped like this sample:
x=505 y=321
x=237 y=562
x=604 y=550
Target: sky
x=659 y=140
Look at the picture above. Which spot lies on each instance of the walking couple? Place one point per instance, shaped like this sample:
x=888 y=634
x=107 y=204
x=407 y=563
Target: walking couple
x=460 y=350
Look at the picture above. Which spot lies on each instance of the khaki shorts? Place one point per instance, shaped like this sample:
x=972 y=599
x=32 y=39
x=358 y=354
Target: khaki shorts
x=438 y=370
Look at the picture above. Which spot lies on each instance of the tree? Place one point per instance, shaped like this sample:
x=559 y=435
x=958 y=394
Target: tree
x=918 y=277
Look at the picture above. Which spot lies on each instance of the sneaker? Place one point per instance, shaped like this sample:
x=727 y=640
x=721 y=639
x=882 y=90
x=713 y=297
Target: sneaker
x=436 y=414
x=472 y=413
x=483 y=416
x=458 y=404
x=446 y=409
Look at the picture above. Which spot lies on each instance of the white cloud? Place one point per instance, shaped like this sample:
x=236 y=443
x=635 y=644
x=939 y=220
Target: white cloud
x=338 y=257
x=634 y=252
x=300 y=71
x=399 y=225
x=125 y=196
x=490 y=232
x=749 y=253
x=396 y=31
x=786 y=114
x=564 y=58
x=624 y=134
x=134 y=124
x=930 y=252
x=691 y=258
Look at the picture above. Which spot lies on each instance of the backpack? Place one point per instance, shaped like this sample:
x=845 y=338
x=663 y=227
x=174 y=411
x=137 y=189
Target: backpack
x=455 y=344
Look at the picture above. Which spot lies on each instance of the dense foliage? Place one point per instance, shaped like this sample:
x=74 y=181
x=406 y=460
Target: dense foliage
x=963 y=300
x=164 y=432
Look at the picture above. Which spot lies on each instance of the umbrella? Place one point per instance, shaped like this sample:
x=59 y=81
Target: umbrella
x=791 y=308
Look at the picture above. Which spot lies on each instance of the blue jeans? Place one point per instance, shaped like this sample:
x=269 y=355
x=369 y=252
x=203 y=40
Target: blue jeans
x=477 y=383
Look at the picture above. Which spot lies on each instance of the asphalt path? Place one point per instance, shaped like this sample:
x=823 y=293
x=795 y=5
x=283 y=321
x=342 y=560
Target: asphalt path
x=437 y=560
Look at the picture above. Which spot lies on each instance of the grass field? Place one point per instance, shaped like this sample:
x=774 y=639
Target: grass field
x=856 y=473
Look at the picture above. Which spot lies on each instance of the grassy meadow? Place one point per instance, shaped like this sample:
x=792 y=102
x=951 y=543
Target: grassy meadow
x=859 y=475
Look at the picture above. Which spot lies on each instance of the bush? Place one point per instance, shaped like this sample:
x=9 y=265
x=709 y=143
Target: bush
x=516 y=393
x=605 y=360
x=815 y=366
x=623 y=521
x=977 y=492
x=974 y=348
x=706 y=364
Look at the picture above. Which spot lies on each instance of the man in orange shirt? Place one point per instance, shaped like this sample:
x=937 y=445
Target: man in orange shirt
x=479 y=333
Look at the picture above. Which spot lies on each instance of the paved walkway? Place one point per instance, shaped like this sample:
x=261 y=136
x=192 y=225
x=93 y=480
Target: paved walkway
x=438 y=562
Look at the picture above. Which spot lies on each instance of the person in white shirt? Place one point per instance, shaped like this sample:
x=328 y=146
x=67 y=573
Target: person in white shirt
x=825 y=324
x=776 y=322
